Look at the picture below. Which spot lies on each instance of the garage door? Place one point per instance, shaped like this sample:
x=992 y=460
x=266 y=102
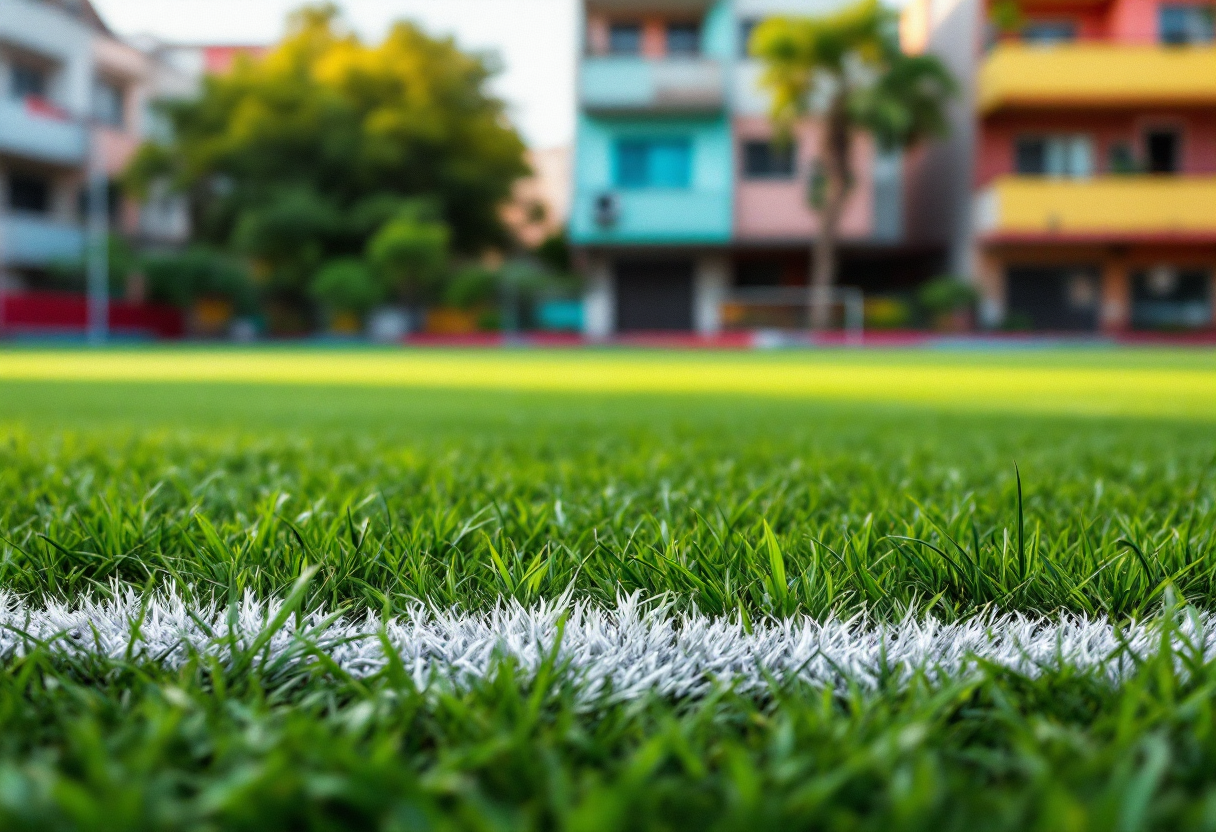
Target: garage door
x=654 y=296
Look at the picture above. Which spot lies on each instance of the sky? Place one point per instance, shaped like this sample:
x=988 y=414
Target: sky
x=533 y=39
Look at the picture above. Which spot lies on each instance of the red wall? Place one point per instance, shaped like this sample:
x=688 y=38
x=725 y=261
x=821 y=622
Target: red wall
x=994 y=155
x=1119 y=21
x=56 y=312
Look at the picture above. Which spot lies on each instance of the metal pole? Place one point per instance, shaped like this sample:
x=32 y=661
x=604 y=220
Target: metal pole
x=98 y=275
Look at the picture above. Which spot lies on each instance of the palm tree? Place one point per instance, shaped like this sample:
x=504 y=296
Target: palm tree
x=847 y=68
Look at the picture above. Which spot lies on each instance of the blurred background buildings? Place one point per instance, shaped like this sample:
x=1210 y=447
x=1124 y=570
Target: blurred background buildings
x=1075 y=192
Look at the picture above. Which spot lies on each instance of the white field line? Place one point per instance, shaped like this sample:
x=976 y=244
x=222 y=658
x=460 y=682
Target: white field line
x=628 y=651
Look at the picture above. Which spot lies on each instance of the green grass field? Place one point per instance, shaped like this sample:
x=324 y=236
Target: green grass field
x=746 y=486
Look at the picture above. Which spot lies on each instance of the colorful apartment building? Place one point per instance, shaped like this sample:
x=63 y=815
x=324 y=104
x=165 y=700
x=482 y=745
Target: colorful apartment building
x=74 y=99
x=686 y=213
x=1093 y=167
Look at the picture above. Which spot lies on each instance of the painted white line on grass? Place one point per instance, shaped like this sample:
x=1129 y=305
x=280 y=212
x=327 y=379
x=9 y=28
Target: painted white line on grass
x=628 y=651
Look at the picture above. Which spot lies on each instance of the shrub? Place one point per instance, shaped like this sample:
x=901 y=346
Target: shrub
x=346 y=285
x=472 y=287
x=946 y=294
x=181 y=278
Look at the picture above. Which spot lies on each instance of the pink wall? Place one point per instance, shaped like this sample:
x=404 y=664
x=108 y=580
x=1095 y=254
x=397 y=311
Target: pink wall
x=767 y=210
x=1133 y=21
x=994 y=155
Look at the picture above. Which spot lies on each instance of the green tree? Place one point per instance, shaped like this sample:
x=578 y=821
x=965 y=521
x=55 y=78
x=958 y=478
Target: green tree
x=302 y=156
x=848 y=70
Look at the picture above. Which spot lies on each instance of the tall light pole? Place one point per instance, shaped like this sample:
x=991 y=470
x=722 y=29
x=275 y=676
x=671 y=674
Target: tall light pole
x=98 y=242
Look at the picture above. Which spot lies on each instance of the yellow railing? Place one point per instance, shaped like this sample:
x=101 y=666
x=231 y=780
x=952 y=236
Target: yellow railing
x=1081 y=74
x=1111 y=204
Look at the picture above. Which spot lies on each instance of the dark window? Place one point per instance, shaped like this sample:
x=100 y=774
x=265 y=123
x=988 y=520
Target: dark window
x=654 y=163
x=769 y=160
x=108 y=103
x=683 y=39
x=29 y=193
x=1190 y=23
x=1169 y=298
x=27 y=81
x=746 y=28
x=1030 y=156
x=654 y=296
x=625 y=39
x=1164 y=151
x=1047 y=32
x=1053 y=297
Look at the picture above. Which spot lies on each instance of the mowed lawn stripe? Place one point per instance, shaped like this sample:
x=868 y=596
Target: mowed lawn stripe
x=1058 y=382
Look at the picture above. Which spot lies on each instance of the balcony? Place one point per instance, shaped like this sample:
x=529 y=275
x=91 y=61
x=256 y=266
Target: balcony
x=630 y=85
x=31 y=240
x=653 y=216
x=1096 y=74
x=33 y=130
x=1105 y=208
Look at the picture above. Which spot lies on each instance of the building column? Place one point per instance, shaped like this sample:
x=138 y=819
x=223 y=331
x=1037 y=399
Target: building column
x=1116 y=311
x=599 y=302
x=989 y=279
x=709 y=293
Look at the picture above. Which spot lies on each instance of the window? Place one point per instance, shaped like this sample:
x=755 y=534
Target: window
x=1059 y=156
x=27 y=81
x=625 y=39
x=27 y=192
x=1164 y=151
x=108 y=103
x=653 y=163
x=1121 y=160
x=1047 y=32
x=769 y=160
x=1191 y=23
x=746 y=28
x=683 y=39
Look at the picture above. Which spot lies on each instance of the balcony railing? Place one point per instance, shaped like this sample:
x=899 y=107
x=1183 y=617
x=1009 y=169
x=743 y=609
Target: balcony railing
x=1096 y=74
x=31 y=240
x=36 y=130
x=1100 y=208
x=638 y=85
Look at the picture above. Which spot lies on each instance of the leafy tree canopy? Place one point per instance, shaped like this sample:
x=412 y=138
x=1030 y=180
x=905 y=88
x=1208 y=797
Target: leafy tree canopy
x=304 y=155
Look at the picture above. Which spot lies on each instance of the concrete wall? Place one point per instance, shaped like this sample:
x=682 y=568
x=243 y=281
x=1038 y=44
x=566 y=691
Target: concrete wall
x=938 y=177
